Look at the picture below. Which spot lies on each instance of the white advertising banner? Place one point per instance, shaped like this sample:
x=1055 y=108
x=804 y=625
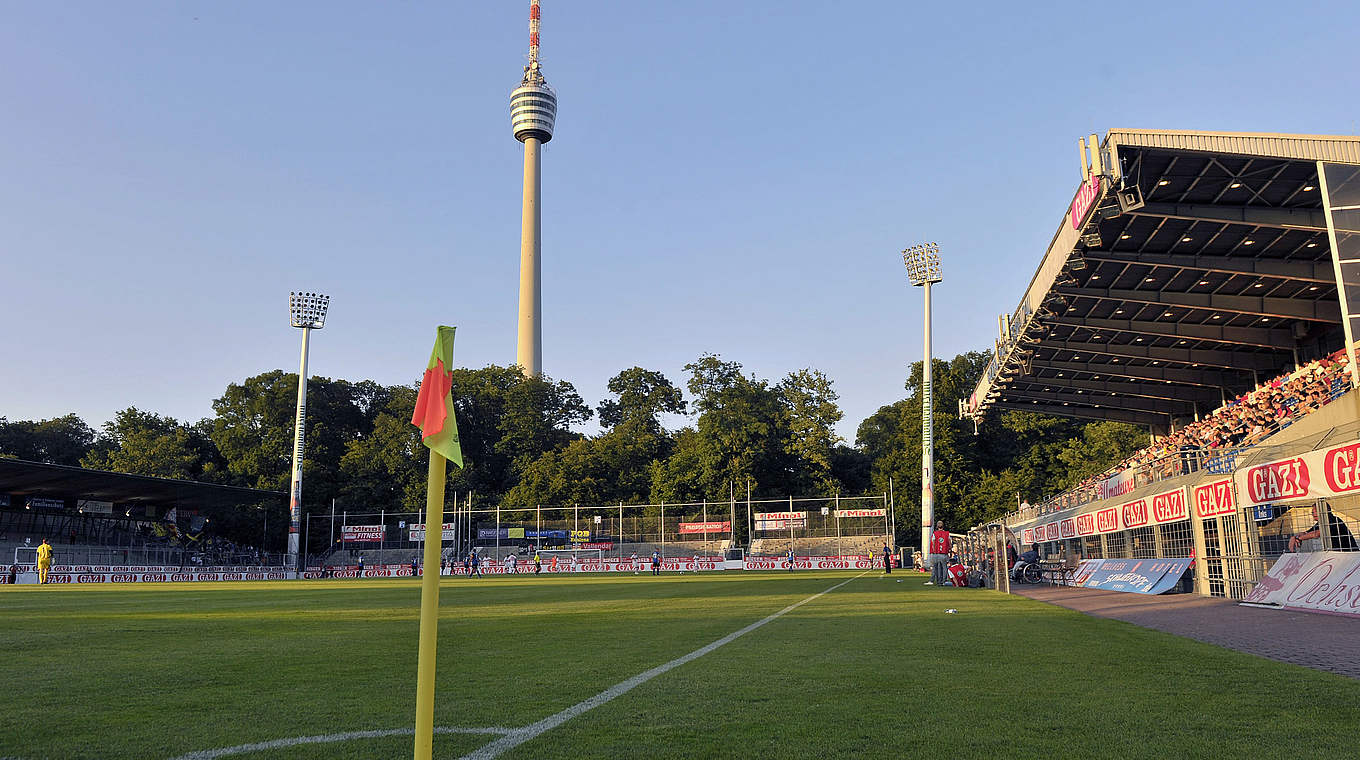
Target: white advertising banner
x=69 y=574
x=93 y=507
x=363 y=533
x=780 y=524
x=1313 y=582
x=1117 y=484
x=1316 y=475
x=417 y=531
x=781 y=516
x=862 y=513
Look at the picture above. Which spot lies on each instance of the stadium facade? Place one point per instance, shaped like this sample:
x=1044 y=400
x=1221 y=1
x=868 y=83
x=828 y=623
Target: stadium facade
x=1198 y=279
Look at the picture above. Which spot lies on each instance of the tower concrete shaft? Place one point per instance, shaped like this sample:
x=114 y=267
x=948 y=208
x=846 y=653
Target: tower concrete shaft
x=533 y=110
x=529 y=346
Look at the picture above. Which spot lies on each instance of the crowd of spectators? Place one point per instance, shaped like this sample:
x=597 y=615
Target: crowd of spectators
x=1210 y=442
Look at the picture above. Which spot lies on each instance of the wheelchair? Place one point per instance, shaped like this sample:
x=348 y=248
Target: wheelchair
x=1030 y=572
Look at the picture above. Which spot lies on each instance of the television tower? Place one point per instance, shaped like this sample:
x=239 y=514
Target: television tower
x=533 y=107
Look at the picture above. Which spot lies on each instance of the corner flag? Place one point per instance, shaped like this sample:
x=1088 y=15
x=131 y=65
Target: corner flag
x=439 y=430
x=434 y=406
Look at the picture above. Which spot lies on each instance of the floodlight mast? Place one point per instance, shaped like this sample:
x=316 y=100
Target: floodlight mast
x=308 y=312
x=923 y=269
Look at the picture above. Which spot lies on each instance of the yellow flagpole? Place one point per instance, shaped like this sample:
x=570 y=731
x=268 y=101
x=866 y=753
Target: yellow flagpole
x=429 y=608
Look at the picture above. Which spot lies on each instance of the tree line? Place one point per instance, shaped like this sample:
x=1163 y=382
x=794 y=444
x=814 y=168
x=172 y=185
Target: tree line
x=520 y=449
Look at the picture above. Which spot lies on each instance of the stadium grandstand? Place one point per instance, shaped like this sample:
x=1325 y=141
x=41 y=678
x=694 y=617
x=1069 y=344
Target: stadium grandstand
x=1202 y=285
x=93 y=517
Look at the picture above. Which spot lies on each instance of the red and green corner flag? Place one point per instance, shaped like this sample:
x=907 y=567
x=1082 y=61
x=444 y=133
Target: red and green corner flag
x=434 y=405
x=439 y=430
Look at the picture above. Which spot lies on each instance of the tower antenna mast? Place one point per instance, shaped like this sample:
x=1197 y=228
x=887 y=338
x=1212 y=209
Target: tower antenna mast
x=534 y=18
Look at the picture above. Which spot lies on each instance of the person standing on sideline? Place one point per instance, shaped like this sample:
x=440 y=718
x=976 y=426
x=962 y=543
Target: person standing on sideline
x=939 y=555
x=44 y=560
x=538 y=563
x=887 y=559
x=790 y=559
x=656 y=562
x=361 y=565
x=475 y=563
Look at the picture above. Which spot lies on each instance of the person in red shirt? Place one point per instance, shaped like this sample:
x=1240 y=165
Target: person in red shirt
x=939 y=554
x=958 y=574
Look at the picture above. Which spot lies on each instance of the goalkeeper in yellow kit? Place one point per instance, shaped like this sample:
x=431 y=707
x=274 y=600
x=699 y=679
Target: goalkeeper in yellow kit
x=44 y=560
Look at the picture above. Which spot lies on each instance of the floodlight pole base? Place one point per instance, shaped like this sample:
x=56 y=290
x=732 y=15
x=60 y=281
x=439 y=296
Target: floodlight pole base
x=927 y=439
x=299 y=435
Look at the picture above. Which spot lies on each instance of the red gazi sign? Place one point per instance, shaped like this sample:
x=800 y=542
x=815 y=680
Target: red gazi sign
x=1214 y=499
x=1170 y=507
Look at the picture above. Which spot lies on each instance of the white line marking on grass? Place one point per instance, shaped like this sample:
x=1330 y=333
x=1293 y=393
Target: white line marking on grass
x=519 y=736
x=241 y=749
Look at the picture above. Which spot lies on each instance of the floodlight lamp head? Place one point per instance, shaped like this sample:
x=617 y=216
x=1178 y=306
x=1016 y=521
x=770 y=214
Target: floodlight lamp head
x=923 y=263
x=308 y=309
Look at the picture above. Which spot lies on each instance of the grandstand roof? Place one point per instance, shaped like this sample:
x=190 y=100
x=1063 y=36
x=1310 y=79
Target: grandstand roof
x=1192 y=266
x=21 y=478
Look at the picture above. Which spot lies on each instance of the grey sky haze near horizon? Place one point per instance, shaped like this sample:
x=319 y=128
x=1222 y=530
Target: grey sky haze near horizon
x=727 y=178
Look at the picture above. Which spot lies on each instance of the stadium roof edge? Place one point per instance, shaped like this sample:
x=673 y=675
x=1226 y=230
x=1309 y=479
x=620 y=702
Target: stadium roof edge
x=23 y=478
x=1223 y=183
x=1334 y=148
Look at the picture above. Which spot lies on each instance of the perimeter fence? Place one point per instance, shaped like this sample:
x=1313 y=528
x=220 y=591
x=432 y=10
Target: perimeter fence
x=809 y=526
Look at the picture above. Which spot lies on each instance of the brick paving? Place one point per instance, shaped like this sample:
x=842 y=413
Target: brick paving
x=1314 y=640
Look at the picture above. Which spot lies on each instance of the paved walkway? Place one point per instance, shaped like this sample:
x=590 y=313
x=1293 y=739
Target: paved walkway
x=1314 y=640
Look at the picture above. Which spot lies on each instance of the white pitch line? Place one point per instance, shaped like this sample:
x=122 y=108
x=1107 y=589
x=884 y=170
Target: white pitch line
x=518 y=736
x=240 y=749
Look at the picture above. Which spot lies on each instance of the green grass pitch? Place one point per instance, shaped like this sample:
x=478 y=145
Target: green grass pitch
x=875 y=667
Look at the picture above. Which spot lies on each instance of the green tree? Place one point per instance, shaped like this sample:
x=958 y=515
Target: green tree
x=616 y=465
x=743 y=426
x=253 y=429
x=536 y=418
x=61 y=440
x=386 y=467
x=145 y=443
x=642 y=396
x=811 y=413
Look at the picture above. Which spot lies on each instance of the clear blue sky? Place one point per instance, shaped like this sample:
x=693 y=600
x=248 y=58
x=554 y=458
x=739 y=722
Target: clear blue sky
x=728 y=177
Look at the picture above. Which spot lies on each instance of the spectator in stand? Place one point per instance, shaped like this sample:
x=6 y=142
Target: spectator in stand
x=1339 y=536
x=1244 y=421
x=939 y=554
